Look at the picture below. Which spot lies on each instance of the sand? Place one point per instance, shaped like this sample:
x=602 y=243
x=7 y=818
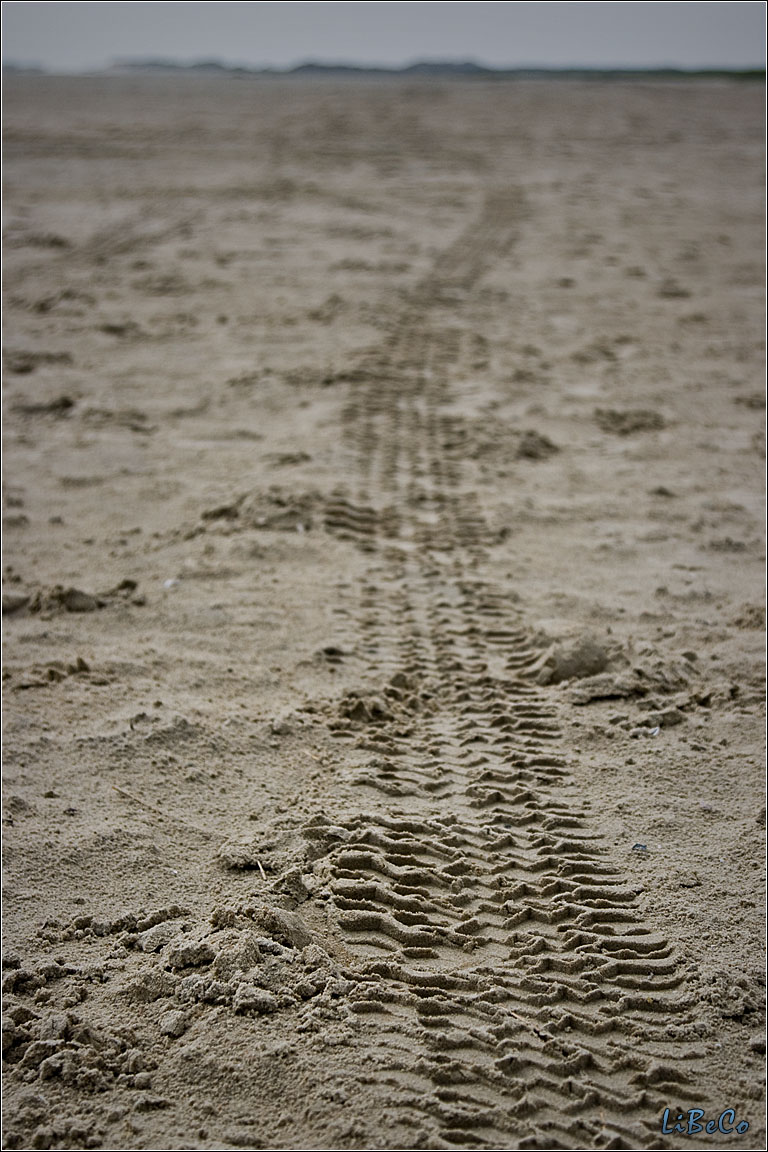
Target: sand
x=383 y=613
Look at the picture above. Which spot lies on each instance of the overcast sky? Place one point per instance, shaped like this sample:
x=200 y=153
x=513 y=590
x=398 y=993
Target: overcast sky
x=74 y=36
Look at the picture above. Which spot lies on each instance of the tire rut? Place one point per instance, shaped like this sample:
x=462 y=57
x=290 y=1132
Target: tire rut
x=514 y=995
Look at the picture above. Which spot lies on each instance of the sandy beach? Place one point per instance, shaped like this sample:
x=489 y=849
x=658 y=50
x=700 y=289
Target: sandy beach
x=383 y=613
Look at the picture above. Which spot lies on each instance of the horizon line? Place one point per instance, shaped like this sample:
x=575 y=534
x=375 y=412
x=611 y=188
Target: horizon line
x=453 y=65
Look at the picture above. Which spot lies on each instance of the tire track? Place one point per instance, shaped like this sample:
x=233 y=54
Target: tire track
x=515 y=997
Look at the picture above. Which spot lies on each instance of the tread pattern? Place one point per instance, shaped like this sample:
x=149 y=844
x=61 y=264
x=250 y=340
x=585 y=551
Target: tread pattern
x=508 y=986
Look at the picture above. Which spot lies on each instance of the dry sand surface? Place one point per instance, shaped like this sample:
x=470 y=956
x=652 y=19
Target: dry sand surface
x=383 y=613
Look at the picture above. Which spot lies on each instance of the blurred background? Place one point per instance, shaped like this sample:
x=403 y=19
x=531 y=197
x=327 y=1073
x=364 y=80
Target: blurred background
x=92 y=36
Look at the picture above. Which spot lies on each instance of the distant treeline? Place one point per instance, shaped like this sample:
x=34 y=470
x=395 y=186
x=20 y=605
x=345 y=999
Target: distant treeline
x=437 y=68
x=449 y=68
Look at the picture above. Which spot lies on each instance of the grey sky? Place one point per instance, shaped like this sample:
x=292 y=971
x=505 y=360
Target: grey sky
x=71 y=36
